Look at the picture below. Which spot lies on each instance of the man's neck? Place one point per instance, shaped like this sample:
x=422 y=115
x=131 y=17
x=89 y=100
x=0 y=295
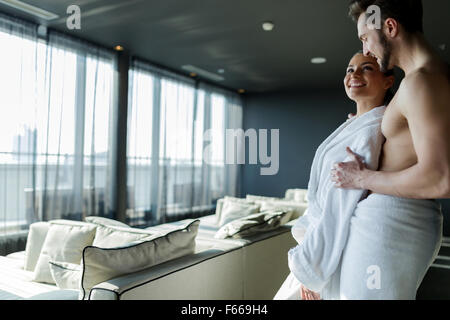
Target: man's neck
x=413 y=52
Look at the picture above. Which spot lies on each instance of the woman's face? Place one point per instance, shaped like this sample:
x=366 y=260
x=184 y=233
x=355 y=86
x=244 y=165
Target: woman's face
x=364 y=80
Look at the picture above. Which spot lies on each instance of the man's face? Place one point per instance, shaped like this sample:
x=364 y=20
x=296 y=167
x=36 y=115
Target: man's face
x=375 y=44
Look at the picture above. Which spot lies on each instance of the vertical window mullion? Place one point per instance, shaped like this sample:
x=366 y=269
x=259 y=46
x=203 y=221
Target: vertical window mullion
x=207 y=166
x=80 y=101
x=156 y=118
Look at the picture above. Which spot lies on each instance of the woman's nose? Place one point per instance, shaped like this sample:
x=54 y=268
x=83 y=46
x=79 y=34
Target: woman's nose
x=356 y=73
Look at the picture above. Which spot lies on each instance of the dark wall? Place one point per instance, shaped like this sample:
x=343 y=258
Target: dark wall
x=304 y=119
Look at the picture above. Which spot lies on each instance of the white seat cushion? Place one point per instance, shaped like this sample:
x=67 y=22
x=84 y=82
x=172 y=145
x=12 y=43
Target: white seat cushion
x=56 y=295
x=16 y=283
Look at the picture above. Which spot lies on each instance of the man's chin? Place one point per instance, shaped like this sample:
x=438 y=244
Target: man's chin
x=384 y=67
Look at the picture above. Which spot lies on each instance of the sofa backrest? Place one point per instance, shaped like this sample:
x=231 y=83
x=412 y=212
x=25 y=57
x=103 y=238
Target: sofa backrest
x=15 y=242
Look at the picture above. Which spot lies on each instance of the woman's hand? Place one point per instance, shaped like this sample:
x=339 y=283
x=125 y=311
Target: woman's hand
x=307 y=294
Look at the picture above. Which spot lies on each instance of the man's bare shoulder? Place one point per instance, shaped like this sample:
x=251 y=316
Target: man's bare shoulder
x=428 y=86
x=427 y=77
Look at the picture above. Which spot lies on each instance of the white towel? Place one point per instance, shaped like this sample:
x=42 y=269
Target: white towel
x=322 y=232
x=391 y=244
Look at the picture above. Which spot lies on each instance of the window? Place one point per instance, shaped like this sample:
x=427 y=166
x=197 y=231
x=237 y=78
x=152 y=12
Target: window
x=167 y=171
x=56 y=127
x=57 y=132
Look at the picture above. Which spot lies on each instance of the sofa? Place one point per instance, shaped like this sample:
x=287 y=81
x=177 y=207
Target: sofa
x=249 y=266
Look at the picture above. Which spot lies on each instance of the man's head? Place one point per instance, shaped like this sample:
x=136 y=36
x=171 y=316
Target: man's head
x=397 y=16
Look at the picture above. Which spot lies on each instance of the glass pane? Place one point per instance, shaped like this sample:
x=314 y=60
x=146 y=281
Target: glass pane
x=140 y=145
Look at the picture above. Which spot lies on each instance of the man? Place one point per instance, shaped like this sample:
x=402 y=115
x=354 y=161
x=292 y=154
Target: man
x=415 y=159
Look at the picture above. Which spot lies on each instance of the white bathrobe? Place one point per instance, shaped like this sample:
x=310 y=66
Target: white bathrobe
x=322 y=232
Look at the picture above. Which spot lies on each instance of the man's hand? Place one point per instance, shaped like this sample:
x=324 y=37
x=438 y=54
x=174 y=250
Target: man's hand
x=349 y=175
x=307 y=294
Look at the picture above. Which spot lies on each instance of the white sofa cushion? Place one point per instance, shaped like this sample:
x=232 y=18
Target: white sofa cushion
x=101 y=264
x=111 y=236
x=66 y=275
x=106 y=222
x=233 y=210
x=297 y=208
x=259 y=199
x=236 y=199
x=35 y=241
x=253 y=224
x=298 y=195
x=220 y=202
x=64 y=242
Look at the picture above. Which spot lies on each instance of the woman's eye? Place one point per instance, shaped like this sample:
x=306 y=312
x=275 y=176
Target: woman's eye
x=349 y=70
x=368 y=68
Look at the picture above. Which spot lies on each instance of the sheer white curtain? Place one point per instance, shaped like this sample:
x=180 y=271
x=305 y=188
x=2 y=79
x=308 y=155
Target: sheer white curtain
x=76 y=131
x=56 y=104
x=18 y=109
x=168 y=117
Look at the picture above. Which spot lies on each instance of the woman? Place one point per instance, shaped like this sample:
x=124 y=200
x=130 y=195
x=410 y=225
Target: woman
x=322 y=231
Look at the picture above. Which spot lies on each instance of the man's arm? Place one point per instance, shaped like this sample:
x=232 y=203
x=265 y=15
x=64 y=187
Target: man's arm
x=427 y=109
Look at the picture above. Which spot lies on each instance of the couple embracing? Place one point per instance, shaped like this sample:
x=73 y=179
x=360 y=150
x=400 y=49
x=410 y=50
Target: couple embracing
x=373 y=226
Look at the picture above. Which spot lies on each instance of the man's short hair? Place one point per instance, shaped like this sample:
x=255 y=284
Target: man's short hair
x=409 y=13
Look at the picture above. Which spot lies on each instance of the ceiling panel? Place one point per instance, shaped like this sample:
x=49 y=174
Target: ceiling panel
x=227 y=34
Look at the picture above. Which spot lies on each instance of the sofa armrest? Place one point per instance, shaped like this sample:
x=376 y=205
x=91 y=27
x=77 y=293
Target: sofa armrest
x=220 y=270
x=145 y=284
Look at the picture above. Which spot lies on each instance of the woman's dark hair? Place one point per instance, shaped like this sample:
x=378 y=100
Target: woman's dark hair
x=409 y=13
x=389 y=93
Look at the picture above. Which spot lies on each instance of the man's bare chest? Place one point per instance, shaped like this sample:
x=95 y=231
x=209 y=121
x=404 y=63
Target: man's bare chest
x=394 y=124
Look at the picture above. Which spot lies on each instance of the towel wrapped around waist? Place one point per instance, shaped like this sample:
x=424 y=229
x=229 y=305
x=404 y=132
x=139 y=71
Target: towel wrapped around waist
x=392 y=242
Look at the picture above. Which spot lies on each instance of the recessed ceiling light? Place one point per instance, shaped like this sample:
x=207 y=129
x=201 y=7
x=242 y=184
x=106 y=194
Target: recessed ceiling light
x=221 y=71
x=241 y=90
x=42 y=31
x=203 y=73
x=268 y=26
x=318 y=60
x=193 y=74
x=118 y=48
x=28 y=8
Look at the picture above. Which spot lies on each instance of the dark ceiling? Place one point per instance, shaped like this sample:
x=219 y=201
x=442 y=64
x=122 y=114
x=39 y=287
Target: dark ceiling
x=227 y=34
